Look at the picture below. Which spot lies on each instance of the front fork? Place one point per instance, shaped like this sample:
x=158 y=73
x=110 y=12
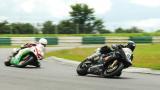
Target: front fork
x=108 y=59
x=114 y=63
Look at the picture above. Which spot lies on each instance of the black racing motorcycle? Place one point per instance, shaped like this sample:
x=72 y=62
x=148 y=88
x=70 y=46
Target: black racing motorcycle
x=111 y=67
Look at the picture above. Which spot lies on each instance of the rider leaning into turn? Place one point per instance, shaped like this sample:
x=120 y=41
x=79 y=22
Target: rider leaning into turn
x=108 y=52
x=41 y=44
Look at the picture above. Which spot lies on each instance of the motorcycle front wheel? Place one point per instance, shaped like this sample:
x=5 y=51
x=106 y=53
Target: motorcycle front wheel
x=82 y=68
x=113 y=68
x=7 y=63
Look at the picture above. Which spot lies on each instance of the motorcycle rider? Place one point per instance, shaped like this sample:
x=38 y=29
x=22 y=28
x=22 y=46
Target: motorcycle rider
x=107 y=54
x=111 y=55
x=40 y=45
x=107 y=51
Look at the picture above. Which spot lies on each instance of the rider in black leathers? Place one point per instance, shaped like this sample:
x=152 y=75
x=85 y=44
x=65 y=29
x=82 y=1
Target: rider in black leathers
x=107 y=52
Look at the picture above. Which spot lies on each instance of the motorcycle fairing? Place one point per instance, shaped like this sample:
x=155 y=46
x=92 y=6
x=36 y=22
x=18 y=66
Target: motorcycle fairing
x=17 y=58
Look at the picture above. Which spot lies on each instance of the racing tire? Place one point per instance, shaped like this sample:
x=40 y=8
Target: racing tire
x=116 y=72
x=7 y=63
x=36 y=64
x=81 y=70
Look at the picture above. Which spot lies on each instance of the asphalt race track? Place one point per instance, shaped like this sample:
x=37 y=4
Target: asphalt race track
x=54 y=75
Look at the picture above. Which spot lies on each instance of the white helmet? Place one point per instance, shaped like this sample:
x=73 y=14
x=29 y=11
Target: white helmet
x=14 y=50
x=43 y=41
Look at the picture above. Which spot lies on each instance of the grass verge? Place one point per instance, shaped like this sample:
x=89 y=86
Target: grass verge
x=147 y=55
x=9 y=46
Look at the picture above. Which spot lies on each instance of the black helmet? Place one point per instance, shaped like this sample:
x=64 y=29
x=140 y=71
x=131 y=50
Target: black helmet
x=131 y=45
x=105 y=49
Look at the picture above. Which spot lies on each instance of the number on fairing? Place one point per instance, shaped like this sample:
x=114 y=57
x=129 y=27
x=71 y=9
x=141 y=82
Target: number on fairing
x=128 y=53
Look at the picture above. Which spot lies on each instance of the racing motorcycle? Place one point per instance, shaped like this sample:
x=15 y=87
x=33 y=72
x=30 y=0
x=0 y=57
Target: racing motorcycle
x=110 y=68
x=24 y=57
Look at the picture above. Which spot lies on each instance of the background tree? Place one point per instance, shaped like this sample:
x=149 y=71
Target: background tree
x=98 y=25
x=81 y=14
x=67 y=27
x=84 y=17
x=4 y=27
x=130 y=30
x=104 y=31
x=120 y=30
x=22 y=28
x=134 y=30
x=158 y=31
x=48 y=28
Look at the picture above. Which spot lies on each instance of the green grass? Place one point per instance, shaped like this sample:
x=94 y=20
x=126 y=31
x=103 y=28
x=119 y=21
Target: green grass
x=56 y=35
x=147 y=55
x=77 y=54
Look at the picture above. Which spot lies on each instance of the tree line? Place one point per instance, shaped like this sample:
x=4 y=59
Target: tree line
x=82 y=21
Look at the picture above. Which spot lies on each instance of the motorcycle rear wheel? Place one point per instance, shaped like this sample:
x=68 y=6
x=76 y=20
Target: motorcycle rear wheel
x=36 y=64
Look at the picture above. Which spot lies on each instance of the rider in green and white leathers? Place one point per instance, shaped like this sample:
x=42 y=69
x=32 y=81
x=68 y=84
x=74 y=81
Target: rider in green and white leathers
x=37 y=49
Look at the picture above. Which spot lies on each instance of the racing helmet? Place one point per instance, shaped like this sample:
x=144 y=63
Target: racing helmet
x=43 y=41
x=14 y=50
x=105 y=49
x=131 y=45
